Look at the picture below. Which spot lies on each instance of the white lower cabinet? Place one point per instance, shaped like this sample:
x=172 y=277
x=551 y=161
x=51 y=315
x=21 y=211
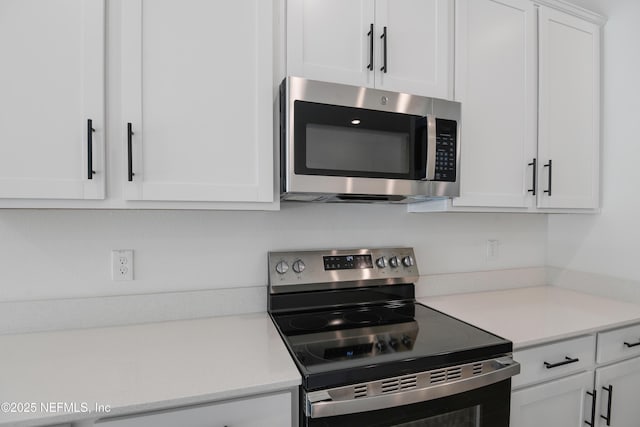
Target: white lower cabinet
x=266 y=411
x=575 y=377
x=618 y=387
x=559 y=403
x=618 y=384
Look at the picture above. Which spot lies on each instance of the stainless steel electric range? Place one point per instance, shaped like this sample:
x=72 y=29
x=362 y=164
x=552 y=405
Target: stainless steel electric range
x=370 y=355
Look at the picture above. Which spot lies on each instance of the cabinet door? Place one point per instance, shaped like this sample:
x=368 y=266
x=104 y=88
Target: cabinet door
x=328 y=40
x=569 y=131
x=419 y=46
x=198 y=90
x=266 y=411
x=559 y=403
x=496 y=83
x=624 y=380
x=52 y=84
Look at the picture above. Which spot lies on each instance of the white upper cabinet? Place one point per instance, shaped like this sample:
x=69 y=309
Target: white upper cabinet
x=52 y=99
x=198 y=93
x=327 y=40
x=569 y=117
x=530 y=94
x=399 y=45
x=416 y=56
x=495 y=81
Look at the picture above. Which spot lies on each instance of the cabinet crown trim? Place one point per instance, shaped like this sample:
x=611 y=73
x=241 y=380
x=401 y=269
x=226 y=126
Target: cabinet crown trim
x=574 y=10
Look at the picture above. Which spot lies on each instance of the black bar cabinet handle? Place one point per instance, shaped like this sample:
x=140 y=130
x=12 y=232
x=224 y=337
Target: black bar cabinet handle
x=628 y=345
x=535 y=167
x=370 y=34
x=592 y=423
x=567 y=360
x=609 y=398
x=90 y=131
x=130 y=173
x=384 y=50
x=549 y=165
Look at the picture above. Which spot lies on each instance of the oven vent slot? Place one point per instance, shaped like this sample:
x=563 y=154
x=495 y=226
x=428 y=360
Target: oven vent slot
x=477 y=369
x=399 y=384
x=389 y=386
x=444 y=375
x=360 y=391
x=407 y=383
x=454 y=373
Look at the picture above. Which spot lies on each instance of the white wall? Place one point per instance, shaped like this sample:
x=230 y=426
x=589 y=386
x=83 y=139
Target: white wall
x=609 y=243
x=65 y=253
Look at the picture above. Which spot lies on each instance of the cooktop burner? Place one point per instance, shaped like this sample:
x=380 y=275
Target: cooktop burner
x=388 y=337
x=340 y=319
x=351 y=316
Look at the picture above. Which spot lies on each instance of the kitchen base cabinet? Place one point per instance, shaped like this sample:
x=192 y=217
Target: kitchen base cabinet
x=266 y=411
x=620 y=385
x=567 y=399
x=559 y=403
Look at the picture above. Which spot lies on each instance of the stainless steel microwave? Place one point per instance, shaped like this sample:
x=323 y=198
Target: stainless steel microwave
x=344 y=143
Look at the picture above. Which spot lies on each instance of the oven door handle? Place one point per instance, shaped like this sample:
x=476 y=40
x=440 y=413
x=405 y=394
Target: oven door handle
x=431 y=149
x=320 y=404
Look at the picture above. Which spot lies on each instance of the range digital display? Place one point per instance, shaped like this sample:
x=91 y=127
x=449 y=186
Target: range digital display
x=347 y=352
x=347 y=262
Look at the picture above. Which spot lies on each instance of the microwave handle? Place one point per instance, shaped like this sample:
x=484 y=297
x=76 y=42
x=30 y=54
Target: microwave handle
x=431 y=149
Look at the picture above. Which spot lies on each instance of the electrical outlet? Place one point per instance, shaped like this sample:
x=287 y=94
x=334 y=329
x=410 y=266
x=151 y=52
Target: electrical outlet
x=122 y=265
x=493 y=249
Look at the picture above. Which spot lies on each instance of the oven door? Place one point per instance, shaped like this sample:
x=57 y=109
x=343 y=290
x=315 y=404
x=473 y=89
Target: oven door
x=471 y=395
x=488 y=406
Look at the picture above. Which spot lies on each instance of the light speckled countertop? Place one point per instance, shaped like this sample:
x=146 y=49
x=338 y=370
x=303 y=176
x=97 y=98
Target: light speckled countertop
x=143 y=367
x=530 y=316
x=170 y=364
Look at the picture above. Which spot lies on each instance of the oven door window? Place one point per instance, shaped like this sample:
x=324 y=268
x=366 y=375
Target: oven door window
x=354 y=142
x=484 y=407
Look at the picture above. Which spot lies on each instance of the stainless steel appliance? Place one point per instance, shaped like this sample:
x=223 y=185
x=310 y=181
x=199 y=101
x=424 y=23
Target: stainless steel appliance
x=370 y=355
x=344 y=143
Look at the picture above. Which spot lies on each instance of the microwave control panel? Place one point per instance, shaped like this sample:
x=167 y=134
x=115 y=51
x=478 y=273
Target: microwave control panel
x=446 y=150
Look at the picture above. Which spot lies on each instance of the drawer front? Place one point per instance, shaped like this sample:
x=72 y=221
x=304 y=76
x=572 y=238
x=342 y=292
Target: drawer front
x=554 y=360
x=618 y=344
x=266 y=411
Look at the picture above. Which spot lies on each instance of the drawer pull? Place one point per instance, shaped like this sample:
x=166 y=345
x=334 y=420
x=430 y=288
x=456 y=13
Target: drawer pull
x=626 y=344
x=609 y=398
x=567 y=360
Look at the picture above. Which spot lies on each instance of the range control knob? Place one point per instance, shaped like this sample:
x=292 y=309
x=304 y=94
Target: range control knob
x=298 y=266
x=393 y=262
x=282 y=267
x=407 y=261
x=406 y=341
x=381 y=346
x=381 y=262
x=393 y=343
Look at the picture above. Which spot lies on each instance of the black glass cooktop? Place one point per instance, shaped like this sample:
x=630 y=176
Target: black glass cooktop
x=334 y=347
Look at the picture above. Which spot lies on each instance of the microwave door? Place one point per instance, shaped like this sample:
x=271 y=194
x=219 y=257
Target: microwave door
x=430 y=161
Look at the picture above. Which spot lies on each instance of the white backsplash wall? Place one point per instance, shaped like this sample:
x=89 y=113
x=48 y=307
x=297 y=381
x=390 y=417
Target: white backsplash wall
x=608 y=244
x=66 y=253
